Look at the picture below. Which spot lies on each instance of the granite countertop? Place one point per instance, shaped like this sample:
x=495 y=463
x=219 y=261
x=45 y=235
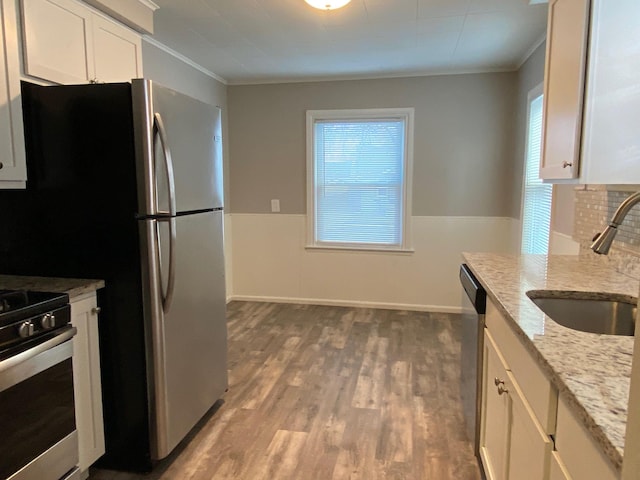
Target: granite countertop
x=591 y=371
x=74 y=287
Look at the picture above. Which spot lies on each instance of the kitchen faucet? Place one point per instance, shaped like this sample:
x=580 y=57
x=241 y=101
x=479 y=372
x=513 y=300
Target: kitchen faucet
x=602 y=241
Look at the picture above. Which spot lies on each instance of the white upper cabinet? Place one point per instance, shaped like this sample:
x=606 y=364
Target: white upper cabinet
x=57 y=40
x=563 y=87
x=611 y=145
x=66 y=42
x=117 y=51
x=592 y=98
x=13 y=171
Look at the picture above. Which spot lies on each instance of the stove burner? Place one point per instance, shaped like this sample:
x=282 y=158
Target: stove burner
x=12 y=300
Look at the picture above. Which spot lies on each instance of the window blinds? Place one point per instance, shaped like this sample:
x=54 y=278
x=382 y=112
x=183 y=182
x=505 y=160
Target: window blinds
x=536 y=211
x=358 y=181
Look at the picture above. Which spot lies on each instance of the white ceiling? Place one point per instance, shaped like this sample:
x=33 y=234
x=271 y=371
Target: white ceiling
x=256 y=41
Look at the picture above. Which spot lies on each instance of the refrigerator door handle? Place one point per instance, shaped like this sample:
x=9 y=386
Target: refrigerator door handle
x=167 y=295
x=161 y=134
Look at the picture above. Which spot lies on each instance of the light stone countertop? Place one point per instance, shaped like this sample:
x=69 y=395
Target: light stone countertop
x=74 y=287
x=591 y=371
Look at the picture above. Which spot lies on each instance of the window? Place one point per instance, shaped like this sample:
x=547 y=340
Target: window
x=536 y=202
x=359 y=165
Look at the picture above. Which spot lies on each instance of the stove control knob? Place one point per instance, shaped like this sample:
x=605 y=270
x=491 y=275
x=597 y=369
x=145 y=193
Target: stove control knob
x=48 y=320
x=26 y=329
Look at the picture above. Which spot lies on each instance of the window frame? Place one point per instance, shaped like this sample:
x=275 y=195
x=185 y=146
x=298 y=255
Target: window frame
x=533 y=94
x=404 y=114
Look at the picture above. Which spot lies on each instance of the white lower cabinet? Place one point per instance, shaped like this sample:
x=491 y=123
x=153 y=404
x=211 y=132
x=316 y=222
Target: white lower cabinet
x=522 y=414
x=558 y=471
x=496 y=409
x=529 y=446
x=86 y=380
x=577 y=452
x=513 y=445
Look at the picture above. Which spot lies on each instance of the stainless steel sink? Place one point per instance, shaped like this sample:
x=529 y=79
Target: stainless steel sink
x=588 y=312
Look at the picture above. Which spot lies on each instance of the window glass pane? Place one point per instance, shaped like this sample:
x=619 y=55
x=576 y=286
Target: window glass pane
x=536 y=211
x=359 y=175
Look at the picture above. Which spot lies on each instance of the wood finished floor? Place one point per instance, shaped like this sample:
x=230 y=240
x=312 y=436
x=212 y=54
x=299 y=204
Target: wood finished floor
x=328 y=393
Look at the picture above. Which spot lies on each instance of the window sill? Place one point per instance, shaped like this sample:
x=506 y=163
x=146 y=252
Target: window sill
x=399 y=251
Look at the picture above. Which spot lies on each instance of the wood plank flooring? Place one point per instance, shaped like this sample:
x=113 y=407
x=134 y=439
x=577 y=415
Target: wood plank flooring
x=331 y=393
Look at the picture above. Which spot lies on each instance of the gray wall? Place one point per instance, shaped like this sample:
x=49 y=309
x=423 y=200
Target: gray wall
x=529 y=76
x=463 y=140
x=172 y=72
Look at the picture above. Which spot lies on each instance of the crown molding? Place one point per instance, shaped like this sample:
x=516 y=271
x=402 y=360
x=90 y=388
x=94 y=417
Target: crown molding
x=183 y=58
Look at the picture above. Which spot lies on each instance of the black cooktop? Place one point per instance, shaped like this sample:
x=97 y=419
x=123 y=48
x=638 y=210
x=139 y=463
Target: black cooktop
x=20 y=304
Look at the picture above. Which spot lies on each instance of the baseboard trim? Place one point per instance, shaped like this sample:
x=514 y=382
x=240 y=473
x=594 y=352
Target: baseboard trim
x=347 y=303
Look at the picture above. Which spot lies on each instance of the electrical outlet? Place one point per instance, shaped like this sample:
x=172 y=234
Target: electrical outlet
x=275 y=205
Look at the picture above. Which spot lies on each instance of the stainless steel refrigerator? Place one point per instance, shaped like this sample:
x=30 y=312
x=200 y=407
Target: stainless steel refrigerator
x=125 y=184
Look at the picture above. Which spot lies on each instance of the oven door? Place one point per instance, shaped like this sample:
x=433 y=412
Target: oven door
x=38 y=439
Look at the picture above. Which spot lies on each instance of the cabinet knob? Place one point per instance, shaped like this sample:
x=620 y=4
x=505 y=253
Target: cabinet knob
x=497 y=381
x=566 y=164
x=502 y=389
x=48 y=320
x=26 y=329
x=96 y=310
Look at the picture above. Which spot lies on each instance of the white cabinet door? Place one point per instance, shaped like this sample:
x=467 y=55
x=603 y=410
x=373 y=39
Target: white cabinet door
x=564 y=77
x=611 y=146
x=558 y=471
x=117 y=51
x=57 y=36
x=66 y=42
x=582 y=458
x=529 y=445
x=12 y=155
x=496 y=408
x=86 y=380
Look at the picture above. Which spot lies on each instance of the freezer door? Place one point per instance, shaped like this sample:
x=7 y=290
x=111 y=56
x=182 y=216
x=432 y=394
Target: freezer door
x=170 y=124
x=188 y=351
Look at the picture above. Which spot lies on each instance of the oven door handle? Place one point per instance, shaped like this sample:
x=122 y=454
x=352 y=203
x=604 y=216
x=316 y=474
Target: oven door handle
x=38 y=349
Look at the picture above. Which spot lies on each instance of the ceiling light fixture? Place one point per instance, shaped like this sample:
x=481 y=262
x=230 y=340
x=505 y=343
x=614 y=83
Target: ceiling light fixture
x=327 y=4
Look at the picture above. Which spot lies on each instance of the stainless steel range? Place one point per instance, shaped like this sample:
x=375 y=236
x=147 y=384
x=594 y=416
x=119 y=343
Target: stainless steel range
x=37 y=416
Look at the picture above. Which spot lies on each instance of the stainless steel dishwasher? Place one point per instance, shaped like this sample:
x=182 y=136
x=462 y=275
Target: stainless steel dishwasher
x=474 y=304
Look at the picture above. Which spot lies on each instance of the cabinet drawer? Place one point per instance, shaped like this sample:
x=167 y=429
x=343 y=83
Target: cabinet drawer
x=582 y=458
x=541 y=395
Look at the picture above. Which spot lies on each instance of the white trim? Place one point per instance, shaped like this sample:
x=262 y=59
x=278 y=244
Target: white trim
x=562 y=244
x=373 y=249
x=347 y=303
x=149 y=4
x=532 y=49
x=11 y=184
x=338 y=78
x=405 y=114
x=253 y=214
x=152 y=41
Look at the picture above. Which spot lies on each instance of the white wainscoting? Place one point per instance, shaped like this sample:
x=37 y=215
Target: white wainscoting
x=228 y=255
x=561 y=244
x=270 y=263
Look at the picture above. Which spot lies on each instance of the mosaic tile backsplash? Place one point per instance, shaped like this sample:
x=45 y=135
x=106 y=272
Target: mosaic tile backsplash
x=595 y=205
